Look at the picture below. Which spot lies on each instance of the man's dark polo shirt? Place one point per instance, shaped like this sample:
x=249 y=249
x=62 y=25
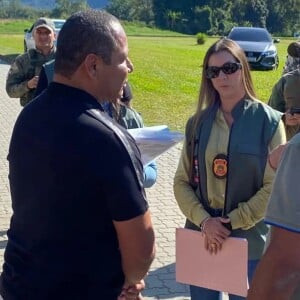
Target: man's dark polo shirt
x=70 y=176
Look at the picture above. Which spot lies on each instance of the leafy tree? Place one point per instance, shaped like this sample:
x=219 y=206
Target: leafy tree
x=132 y=10
x=64 y=8
x=14 y=8
x=238 y=12
x=173 y=17
x=221 y=22
x=122 y=9
x=291 y=12
x=202 y=19
x=143 y=11
x=159 y=11
x=190 y=16
x=284 y=16
x=256 y=12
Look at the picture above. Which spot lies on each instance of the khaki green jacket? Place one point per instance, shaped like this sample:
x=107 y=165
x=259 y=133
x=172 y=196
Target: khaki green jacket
x=188 y=200
x=286 y=94
x=24 y=68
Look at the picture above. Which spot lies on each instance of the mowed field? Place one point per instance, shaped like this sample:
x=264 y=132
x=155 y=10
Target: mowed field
x=166 y=79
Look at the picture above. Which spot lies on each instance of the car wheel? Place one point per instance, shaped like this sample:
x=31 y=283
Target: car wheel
x=25 y=46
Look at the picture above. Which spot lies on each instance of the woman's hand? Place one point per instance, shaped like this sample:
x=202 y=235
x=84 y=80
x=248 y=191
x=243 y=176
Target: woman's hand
x=215 y=233
x=276 y=155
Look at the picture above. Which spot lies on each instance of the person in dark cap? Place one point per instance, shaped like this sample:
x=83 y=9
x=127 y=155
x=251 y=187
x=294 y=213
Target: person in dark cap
x=123 y=112
x=44 y=23
x=23 y=74
x=285 y=95
x=293 y=57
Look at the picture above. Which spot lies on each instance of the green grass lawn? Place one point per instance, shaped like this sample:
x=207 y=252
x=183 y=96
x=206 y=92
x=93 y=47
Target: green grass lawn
x=166 y=79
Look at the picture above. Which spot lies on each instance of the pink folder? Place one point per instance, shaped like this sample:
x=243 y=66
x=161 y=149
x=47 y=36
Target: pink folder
x=225 y=271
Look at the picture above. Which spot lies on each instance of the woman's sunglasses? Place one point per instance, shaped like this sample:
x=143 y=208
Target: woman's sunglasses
x=227 y=68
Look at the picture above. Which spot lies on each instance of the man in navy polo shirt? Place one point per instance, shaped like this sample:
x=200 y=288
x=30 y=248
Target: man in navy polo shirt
x=80 y=228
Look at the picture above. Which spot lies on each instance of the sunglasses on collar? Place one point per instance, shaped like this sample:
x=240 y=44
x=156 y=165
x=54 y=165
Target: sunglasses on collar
x=227 y=68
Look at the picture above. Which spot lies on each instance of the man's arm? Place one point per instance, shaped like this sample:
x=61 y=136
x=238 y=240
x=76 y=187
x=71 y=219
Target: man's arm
x=276 y=99
x=276 y=155
x=278 y=273
x=136 y=242
x=16 y=84
x=21 y=77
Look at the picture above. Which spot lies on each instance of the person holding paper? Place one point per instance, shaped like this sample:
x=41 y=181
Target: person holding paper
x=223 y=181
x=122 y=111
x=278 y=274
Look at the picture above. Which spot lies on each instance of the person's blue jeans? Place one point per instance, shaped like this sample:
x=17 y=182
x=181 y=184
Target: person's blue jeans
x=200 y=293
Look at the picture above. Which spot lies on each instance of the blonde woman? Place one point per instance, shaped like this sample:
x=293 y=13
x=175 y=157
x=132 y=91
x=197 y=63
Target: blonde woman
x=223 y=179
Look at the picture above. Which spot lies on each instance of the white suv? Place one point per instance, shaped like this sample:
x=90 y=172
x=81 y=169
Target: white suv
x=28 y=39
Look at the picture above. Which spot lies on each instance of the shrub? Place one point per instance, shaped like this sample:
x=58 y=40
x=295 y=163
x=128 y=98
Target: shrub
x=201 y=38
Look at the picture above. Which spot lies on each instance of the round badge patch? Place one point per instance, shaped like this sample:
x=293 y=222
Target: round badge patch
x=220 y=166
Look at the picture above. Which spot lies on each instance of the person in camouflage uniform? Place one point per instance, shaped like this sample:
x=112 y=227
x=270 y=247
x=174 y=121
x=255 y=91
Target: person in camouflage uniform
x=285 y=95
x=293 y=58
x=23 y=74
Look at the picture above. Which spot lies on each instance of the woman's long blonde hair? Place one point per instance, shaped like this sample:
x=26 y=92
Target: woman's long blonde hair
x=208 y=96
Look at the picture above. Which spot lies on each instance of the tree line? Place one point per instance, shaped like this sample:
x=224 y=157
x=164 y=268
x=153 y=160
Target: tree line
x=213 y=17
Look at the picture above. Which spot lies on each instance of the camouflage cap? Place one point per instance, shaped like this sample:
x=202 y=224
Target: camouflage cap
x=294 y=49
x=45 y=23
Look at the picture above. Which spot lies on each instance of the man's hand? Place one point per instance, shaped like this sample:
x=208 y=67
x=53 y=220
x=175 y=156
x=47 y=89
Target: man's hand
x=132 y=292
x=275 y=156
x=32 y=83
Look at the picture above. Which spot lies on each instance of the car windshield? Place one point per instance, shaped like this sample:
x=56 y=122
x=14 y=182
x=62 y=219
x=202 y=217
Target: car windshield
x=58 y=24
x=250 y=35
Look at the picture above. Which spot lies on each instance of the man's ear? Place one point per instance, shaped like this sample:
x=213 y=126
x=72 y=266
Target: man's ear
x=92 y=63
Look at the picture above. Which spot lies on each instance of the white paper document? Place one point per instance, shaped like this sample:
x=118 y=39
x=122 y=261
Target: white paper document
x=154 y=141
